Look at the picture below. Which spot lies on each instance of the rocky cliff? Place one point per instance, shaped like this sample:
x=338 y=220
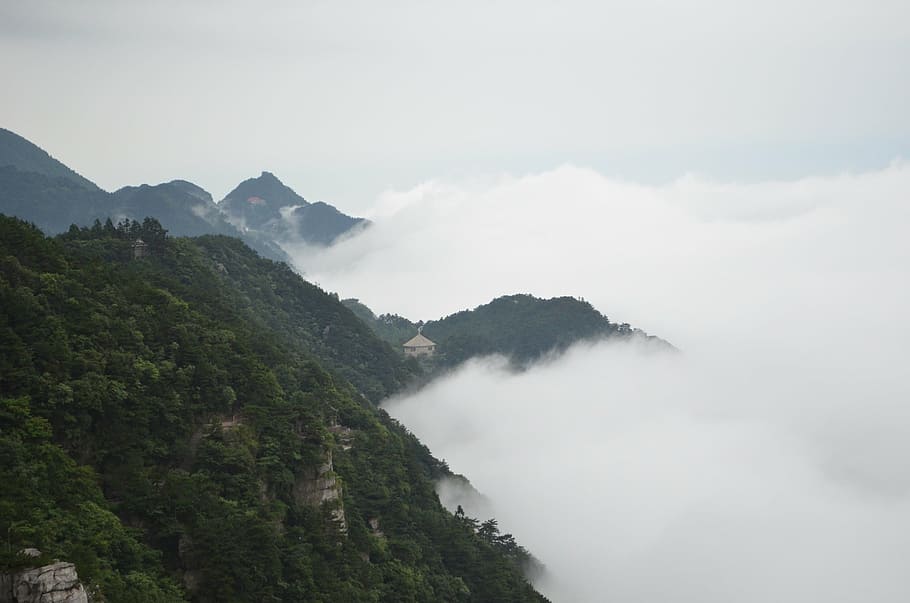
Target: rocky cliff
x=53 y=583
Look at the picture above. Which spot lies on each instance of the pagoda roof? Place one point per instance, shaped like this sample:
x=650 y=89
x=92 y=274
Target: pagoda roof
x=418 y=341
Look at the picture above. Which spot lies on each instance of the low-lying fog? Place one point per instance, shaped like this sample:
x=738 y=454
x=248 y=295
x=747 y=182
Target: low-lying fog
x=770 y=461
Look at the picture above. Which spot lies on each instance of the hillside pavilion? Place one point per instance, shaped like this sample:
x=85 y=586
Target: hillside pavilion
x=419 y=346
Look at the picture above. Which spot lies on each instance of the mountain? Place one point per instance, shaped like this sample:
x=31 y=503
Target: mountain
x=36 y=187
x=52 y=203
x=182 y=207
x=267 y=205
x=21 y=154
x=189 y=426
x=275 y=299
x=186 y=209
x=55 y=203
x=193 y=190
x=521 y=327
x=256 y=202
x=321 y=224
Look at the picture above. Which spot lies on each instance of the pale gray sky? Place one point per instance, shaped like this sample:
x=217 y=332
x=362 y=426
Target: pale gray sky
x=343 y=100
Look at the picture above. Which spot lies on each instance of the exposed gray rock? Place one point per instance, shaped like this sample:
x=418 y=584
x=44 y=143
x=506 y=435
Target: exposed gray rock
x=345 y=435
x=375 y=527
x=54 y=583
x=321 y=487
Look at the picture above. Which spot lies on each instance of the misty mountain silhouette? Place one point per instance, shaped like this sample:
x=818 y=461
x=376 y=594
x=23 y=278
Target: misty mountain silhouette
x=28 y=157
x=257 y=203
x=36 y=187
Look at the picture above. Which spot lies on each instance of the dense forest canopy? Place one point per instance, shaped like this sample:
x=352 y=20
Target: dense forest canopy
x=521 y=327
x=199 y=425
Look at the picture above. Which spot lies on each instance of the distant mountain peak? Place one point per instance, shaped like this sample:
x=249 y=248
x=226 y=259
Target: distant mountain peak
x=37 y=187
x=256 y=204
x=192 y=190
x=180 y=192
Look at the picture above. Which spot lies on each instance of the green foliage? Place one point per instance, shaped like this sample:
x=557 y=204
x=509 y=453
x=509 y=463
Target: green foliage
x=51 y=503
x=163 y=422
x=389 y=327
x=522 y=327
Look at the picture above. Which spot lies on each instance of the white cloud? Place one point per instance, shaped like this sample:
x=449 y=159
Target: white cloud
x=691 y=260
x=767 y=462
x=699 y=478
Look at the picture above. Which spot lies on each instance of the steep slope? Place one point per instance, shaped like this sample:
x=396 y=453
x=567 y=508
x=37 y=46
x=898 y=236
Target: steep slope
x=521 y=327
x=52 y=203
x=321 y=224
x=25 y=156
x=391 y=328
x=275 y=299
x=161 y=429
x=266 y=205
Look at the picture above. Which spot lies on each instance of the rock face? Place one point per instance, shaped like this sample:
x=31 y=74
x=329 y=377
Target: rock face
x=321 y=487
x=54 y=583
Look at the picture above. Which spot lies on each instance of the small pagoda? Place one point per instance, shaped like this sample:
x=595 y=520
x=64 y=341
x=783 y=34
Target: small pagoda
x=419 y=346
x=140 y=249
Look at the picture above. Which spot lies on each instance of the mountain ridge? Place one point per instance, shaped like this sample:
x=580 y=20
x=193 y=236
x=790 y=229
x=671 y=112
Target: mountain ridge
x=522 y=327
x=18 y=151
x=39 y=188
x=268 y=205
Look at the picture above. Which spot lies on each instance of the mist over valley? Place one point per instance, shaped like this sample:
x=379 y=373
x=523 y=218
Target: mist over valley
x=513 y=302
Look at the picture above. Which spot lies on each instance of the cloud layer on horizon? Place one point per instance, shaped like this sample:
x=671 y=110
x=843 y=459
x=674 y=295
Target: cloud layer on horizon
x=690 y=261
x=345 y=98
x=768 y=462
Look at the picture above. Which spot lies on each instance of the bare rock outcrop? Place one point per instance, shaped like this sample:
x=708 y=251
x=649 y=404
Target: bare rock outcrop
x=54 y=583
x=320 y=487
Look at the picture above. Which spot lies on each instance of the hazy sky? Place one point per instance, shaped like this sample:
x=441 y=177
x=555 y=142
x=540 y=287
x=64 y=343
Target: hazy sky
x=346 y=99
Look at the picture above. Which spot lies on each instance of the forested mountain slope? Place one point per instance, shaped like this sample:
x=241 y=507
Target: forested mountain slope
x=18 y=152
x=273 y=298
x=168 y=424
x=522 y=327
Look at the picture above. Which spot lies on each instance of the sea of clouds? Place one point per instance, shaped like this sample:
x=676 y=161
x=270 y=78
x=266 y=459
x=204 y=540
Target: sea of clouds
x=769 y=461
